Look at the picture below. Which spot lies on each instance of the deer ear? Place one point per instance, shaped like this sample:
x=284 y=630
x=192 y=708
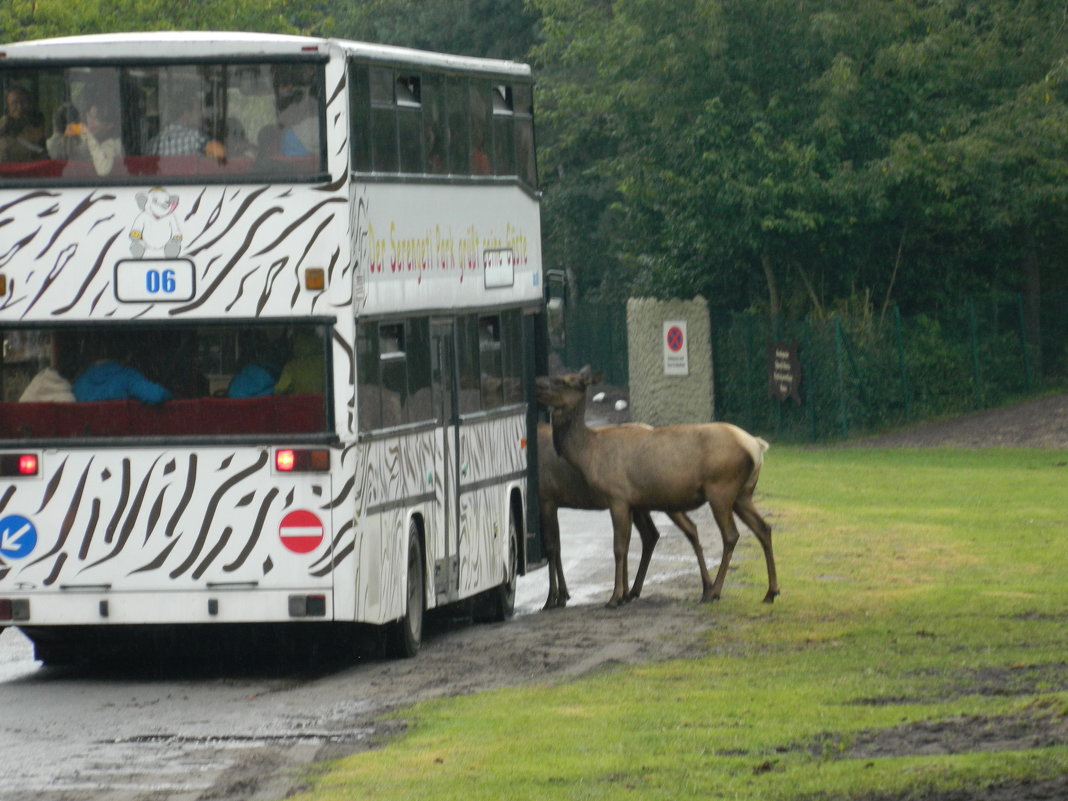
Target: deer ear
x=585 y=374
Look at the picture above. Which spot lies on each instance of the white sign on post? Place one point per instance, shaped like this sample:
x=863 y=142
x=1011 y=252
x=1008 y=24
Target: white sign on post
x=676 y=360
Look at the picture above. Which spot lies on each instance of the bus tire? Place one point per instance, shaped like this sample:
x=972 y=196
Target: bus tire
x=405 y=636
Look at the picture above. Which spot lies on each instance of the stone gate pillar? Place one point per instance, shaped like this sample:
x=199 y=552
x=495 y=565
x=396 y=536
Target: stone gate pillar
x=669 y=358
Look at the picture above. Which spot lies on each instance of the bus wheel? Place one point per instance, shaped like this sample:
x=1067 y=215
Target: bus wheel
x=498 y=604
x=404 y=636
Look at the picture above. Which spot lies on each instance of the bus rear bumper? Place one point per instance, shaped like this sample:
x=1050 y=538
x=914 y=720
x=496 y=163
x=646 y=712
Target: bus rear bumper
x=106 y=608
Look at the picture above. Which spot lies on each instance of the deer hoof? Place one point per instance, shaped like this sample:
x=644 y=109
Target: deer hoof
x=770 y=597
x=555 y=602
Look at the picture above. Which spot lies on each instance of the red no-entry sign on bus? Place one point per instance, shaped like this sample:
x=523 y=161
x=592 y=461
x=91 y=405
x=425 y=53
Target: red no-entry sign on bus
x=301 y=531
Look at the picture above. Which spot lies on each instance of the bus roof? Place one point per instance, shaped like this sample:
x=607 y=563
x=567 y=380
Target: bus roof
x=233 y=44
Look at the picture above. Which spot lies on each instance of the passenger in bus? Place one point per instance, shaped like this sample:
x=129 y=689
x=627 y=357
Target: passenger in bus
x=22 y=128
x=109 y=379
x=306 y=371
x=260 y=374
x=48 y=386
x=297 y=132
x=96 y=139
x=183 y=135
x=236 y=142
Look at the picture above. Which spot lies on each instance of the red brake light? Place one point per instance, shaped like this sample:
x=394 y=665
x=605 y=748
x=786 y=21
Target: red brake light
x=285 y=460
x=302 y=460
x=19 y=464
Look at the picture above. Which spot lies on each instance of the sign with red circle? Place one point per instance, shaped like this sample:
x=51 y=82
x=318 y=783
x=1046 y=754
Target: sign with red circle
x=301 y=531
x=676 y=358
x=675 y=338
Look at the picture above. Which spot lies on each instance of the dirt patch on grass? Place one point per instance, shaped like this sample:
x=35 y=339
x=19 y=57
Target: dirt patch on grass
x=1039 y=423
x=992 y=681
x=961 y=734
x=1051 y=789
x=1039 y=726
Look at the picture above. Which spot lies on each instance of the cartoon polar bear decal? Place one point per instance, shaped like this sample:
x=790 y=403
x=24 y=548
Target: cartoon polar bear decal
x=155 y=231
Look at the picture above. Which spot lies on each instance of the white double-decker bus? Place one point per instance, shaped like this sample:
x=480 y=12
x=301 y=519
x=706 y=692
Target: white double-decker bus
x=269 y=309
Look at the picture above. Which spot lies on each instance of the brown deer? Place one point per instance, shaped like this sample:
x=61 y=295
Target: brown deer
x=562 y=486
x=673 y=468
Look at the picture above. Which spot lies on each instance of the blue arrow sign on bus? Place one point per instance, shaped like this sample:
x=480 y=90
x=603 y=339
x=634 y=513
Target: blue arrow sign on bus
x=18 y=537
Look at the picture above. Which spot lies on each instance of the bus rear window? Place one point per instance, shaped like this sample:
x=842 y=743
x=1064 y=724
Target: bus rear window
x=163 y=381
x=161 y=121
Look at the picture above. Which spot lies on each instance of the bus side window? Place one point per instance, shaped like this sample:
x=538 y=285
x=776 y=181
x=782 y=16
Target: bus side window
x=435 y=130
x=360 y=117
x=369 y=388
x=459 y=122
x=470 y=377
x=394 y=374
x=417 y=341
x=481 y=128
x=512 y=355
x=410 y=123
x=489 y=352
x=383 y=121
x=503 y=130
x=523 y=108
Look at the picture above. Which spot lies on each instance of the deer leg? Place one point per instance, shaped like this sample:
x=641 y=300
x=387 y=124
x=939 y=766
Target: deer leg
x=621 y=523
x=643 y=521
x=551 y=534
x=747 y=511
x=689 y=528
x=728 y=531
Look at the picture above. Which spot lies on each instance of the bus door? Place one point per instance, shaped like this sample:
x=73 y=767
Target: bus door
x=446 y=458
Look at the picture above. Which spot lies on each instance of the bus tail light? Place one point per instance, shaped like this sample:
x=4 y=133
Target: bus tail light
x=302 y=460
x=14 y=610
x=307 y=605
x=19 y=464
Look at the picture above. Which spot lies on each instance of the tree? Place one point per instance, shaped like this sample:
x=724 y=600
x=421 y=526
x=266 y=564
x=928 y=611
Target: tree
x=828 y=151
x=22 y=20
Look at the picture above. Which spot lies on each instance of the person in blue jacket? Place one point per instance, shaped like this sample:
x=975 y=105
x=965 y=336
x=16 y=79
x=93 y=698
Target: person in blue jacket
x=260 y=373
x=108 y=379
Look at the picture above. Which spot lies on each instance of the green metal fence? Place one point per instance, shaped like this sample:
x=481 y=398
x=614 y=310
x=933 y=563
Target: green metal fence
x=858 y=374
x=864 y=374
x=595 y=334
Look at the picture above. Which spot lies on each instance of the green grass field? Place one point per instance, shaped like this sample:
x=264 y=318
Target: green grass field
x=920 y=644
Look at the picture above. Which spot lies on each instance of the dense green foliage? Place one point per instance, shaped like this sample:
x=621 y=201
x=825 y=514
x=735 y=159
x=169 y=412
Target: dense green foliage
x=806 y=153
x=793 y=156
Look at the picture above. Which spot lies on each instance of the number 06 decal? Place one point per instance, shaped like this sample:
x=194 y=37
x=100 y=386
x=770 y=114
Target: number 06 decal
x=154 y=280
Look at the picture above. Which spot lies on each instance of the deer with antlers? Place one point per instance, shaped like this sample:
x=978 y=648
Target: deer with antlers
x=673 y=468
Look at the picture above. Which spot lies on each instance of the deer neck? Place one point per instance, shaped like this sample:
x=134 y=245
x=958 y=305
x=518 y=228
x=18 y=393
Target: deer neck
x=571 y=435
